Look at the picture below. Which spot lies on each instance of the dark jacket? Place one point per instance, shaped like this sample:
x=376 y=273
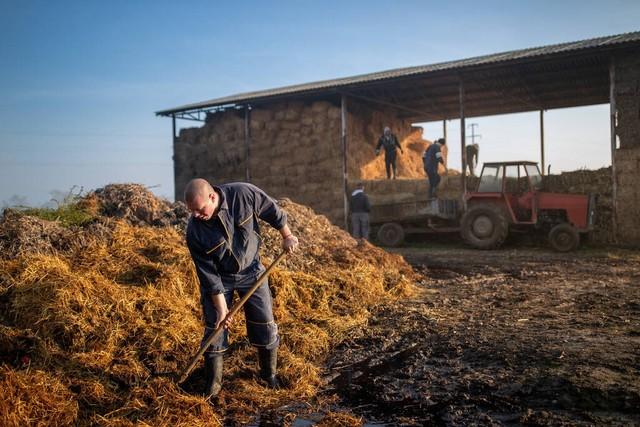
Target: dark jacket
x=226 y=247
x=432 y=156
x=389 y=144
x=360 y=203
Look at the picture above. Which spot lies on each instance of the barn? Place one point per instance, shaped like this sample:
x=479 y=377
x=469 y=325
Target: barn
x=312 y=142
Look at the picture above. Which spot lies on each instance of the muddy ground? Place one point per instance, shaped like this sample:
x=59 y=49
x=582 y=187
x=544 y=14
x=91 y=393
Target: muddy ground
x=507 y=337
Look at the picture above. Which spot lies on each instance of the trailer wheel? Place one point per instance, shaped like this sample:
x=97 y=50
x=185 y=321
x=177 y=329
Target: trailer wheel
x=564 y=238
x=391 y=234
x=484 y=226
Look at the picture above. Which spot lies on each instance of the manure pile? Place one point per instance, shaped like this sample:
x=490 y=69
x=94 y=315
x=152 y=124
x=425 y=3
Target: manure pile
x=95 y=320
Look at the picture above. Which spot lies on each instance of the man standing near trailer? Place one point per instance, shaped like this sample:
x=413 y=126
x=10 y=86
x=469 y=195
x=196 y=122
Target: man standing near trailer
x=431 y=158
x=224 y=242
x=360 y=208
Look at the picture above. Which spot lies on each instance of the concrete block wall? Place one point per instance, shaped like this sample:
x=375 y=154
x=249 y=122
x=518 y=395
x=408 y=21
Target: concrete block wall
x=628 y=195
x=627 y=156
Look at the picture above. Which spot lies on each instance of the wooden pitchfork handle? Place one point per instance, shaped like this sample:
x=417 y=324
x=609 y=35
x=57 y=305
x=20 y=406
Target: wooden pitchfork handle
x=231 y=313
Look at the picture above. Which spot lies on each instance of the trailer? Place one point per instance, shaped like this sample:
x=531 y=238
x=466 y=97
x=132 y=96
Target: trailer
x=392 y=222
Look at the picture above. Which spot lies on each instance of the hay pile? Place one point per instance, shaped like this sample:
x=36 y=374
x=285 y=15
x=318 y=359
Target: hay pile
x=409 y=163
x=135 y=204
x=97 y=320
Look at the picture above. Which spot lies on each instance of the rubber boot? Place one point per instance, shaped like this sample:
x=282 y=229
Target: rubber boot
x=268 y=364
x=213 y=376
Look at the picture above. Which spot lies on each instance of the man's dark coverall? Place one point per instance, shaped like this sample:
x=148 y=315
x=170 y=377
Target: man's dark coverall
x=432 y=156
x=390 y=143
x=225 y=250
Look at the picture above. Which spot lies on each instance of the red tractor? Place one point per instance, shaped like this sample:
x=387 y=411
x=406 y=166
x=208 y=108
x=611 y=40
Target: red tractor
x=509 y=198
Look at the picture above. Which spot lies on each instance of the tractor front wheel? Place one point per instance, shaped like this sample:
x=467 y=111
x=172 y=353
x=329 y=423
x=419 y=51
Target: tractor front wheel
x=564 y=238
x=484 y=226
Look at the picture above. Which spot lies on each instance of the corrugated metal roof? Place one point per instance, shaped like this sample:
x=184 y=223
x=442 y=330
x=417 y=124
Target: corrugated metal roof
x=505 y=57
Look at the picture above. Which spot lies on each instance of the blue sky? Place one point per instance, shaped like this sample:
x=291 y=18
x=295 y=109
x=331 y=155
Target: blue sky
x=81 y=80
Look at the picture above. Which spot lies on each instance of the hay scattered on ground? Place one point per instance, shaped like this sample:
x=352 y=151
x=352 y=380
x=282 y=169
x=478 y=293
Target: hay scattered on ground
x=97 y=319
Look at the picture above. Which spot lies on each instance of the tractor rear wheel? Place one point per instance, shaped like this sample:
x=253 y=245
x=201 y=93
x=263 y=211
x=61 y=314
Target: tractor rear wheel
x=391 y=234
x=484 y=226
x=564 y=238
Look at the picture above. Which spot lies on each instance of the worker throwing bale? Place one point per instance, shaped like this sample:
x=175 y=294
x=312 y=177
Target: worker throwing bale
x=224 y=242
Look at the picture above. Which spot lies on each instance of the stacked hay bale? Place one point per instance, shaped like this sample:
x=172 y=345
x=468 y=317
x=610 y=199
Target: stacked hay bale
x=296 y=152
x=215 y=151
x=95 y=324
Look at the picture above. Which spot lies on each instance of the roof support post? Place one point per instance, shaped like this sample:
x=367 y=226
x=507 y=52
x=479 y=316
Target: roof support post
x=173 y=136
x=612 y=119
x=444 y=129
x=343 y=140
x=542 y=141
x=174 y=140
x=247 y=142
x=463 y=151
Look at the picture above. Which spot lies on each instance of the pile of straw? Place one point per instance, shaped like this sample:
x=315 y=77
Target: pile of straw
x=97 y=320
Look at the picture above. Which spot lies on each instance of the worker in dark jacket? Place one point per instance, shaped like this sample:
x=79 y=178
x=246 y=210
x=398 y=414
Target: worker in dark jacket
x=432 y=156
x=224 y=242
x=360 y=208
x=390 y=143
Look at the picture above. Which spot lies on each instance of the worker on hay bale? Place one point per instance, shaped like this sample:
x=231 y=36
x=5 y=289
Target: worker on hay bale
x=472 y=151
x=360 y=208
x=390 y=143
x=431 y=158
x=223 y=239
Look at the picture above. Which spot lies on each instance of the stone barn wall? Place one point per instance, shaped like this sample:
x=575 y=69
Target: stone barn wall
x=627 y=87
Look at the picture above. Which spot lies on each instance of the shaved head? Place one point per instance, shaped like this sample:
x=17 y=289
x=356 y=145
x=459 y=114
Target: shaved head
x=201 y=199
x=196 y=188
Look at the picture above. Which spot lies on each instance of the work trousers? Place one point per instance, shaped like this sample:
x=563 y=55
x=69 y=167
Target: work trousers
x=390 y=163
x=360 y=225
x=471 y=165
x=434 y=180
x=262 y=330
